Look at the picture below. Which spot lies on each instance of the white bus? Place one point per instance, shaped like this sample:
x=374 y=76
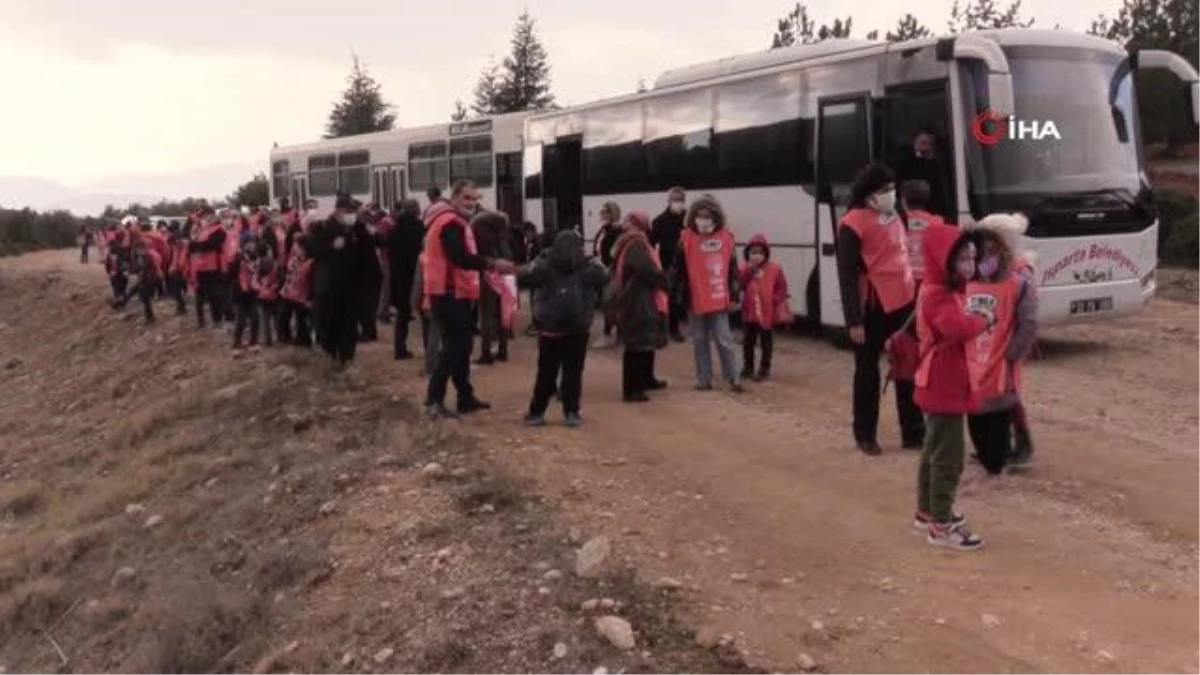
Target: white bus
x=778 y=136
x=389 y=166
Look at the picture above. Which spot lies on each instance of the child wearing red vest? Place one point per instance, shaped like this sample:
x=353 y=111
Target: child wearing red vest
x=147 y=265
x=945 y=324
x=177 y=272
x=295 y=296
x=994 y=358
x=266 y=284
x=764 y=299
x=706 y=274
x=245 y=296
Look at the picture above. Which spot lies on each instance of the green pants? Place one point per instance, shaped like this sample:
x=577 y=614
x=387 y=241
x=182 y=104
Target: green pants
x=941 y=466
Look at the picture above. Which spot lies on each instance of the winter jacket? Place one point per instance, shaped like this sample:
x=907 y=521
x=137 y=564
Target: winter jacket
x=750 y=281
x=605 y=240
x=665 y=232
x=641 y=326
x=943 y=385
x=550 y=270
x=334 y=269
x=404 y=243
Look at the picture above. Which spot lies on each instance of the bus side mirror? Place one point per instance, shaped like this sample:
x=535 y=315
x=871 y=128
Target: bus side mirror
x=1121 y=123
x=1195 y=92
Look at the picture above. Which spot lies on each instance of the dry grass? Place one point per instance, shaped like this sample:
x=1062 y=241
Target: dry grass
x=240 y=459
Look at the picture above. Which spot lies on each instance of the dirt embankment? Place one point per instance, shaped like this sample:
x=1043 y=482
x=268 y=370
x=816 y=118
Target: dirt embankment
x=170 y=509
x=776 y=532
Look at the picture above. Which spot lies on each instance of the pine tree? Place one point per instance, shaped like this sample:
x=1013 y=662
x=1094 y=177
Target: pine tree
x=488 y=90
x=908 y=28
x=526 y=81
x=362 y=109
x=985 y=15
x=796 y=27
x=460 y=111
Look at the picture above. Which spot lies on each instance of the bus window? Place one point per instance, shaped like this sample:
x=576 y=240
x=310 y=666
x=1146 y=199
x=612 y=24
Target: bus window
x=678 y=140
x=354 y=170
x=613 y=160
x=532 y=167
x=322 y=175
x=427 y=166
x=280 y=174
x=471 y=159
x=758 y=133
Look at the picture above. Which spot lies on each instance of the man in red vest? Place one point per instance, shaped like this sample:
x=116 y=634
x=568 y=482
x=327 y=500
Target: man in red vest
x=706 y=272
x=205 y=253
x=452 y=267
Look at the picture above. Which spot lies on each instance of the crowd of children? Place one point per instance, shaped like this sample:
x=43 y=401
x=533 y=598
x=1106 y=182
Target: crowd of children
x=971 y=326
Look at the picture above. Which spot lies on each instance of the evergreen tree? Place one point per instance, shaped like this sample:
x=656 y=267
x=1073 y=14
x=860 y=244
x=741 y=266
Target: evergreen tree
x=488 y=90
x=908 y=28
x=796 y=27
x=526 y=81
x=255 y=192
x=362 y=109
x=985 y=15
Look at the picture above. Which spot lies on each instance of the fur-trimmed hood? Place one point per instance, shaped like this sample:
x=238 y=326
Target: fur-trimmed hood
x=1010 y=227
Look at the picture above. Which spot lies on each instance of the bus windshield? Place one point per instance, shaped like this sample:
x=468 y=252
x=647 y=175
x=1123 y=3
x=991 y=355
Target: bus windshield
x=1089 y=98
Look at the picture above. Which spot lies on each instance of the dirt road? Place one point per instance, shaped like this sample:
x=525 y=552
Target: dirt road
x=790 y=540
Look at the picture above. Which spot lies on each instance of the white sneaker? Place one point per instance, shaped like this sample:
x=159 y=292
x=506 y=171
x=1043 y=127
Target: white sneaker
x=954 y=536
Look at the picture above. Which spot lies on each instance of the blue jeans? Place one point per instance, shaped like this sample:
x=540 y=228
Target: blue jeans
x=708 y=329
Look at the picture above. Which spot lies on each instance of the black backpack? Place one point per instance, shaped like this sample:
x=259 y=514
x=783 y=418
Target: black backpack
x=565 y=303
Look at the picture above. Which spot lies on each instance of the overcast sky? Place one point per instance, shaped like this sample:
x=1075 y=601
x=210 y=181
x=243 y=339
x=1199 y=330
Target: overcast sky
x=104 y=87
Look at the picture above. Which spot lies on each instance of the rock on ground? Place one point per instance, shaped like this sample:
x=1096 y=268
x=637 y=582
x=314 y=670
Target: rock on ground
x=591 y=557
x=617 y=631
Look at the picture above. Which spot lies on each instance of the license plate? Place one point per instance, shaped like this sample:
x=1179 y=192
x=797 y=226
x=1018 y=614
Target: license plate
x=1091 y=306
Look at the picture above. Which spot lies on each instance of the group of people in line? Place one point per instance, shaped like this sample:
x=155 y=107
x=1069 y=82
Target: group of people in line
x=954 y=310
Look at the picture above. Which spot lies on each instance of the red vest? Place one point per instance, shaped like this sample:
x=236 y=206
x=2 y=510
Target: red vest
x=296 y=283
x=441 y=276
x=233 y=238
x=208 y=261
x=990 y=373
x=918 y=222
x=758 y=301
x=707 y=259
x=885 y=256
x=246 y=274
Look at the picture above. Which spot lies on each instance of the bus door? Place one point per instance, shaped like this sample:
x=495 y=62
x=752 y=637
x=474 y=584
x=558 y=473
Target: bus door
x=299 y=190
x=388 y=185
x=508 y=186
x=562 y=167
x=921 y=106
x=843 y=147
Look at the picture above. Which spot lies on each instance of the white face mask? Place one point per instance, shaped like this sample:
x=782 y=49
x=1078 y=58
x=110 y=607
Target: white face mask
x=677 y=207
x=705 y=225
x=885 y=202
x=349 y=218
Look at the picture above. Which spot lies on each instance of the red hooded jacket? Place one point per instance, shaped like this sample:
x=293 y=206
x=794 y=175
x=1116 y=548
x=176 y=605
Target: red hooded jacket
x=944 y=327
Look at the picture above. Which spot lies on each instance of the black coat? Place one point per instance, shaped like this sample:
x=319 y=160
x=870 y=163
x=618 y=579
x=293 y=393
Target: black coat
x=640 y=326
x=404 y=244
x=335 y=270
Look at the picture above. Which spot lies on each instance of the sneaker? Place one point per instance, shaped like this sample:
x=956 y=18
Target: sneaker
x=574 y=420
x=1022 y=454
x=657 y=385
x=532 y=420
x=957 y=537
x=438 y=411
x=637 y=397
x=921 y=520
x=472 y=405
x=704 y=387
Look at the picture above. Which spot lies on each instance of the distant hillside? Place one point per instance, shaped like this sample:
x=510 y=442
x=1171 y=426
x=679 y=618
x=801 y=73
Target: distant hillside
x=90 y=199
